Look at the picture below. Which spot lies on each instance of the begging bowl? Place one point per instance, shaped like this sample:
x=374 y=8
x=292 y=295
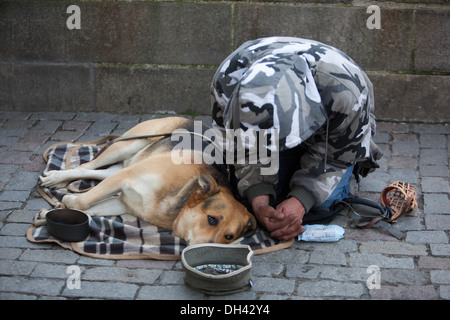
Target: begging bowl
x=68 y=224
x=218 y=269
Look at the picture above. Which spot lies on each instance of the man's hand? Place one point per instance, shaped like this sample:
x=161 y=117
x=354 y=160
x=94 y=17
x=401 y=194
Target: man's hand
x=266 y=214
x=293 y=212
x=284 y=221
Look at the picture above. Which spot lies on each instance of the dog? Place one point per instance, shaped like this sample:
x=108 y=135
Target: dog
x=138 y=177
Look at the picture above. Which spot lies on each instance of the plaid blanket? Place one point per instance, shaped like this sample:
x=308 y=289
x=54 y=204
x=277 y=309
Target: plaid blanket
x=113 y=237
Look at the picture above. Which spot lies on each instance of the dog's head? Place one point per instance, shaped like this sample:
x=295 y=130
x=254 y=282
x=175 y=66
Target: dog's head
x=212 y=214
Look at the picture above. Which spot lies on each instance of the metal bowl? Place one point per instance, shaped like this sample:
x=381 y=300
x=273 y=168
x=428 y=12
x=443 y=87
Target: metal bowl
x=68 y=224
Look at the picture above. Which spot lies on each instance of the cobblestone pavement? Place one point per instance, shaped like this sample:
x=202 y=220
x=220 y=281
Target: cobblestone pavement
x=417 y=267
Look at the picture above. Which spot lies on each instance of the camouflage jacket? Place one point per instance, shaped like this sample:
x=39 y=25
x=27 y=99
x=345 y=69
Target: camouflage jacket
x=310 y=93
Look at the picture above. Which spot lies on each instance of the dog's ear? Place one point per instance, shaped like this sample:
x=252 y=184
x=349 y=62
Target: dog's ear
x=208 y=188
x=207 y=184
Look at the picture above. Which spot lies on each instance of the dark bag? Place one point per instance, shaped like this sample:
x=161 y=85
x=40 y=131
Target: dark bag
x=323 y=215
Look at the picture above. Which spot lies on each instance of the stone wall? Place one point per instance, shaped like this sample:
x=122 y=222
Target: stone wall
x=144 y=56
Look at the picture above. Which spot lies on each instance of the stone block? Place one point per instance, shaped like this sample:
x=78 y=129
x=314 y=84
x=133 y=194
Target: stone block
x=411 y=97
x=306 y=272
x=432 y=52
x=57 y=256
x=444 y=292
x=366 y=259
x=433 y=141
x=126 y=32
x=440 y=249
x=147 y=89
x=45 y=87
x=52 y=116
x=296 y=257
x=410 y=223
x=433 y=171
x=274 y=285
x=38 y=203
x=434 y=157
x=392 y=127
x=20 y=242
x=168 y=293
x=268 y=269
x=436 y=203
x=36 y=286
x=430 y=128
x=435 y=185
x=11 y=267
x=14 y=229
x=55 y=271
x=103 y=290
x=426 y=237
x=21 y=216
x=402 y=162
x=170 y=277
x=126 y=275
x=20 y=196
x=326 y=288
x=405 y=293
x=375 y=182
x=23 y=181
x=404 y=277
x=331 y=257
x=16 y=157
x=10 y=253
x=393 y=247
x=6 y=205
x=433 y=263
x=407 y=175
x=344 y=274
x=146 y=264
x=387 y=48
x=437 y=222
x=66 y=136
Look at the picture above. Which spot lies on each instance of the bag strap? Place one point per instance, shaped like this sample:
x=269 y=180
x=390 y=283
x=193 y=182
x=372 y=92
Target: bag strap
x=385 y=212
x=383 y=220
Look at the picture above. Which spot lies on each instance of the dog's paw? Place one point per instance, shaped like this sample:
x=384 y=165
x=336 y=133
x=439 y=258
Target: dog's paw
x=70 y=201
x=40 y=218
x=53 y=180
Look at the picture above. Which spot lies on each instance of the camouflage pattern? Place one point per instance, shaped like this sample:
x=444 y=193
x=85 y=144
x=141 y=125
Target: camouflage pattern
x=314 y=95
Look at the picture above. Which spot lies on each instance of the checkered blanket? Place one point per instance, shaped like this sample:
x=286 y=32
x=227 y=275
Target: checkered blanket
x=112 y=237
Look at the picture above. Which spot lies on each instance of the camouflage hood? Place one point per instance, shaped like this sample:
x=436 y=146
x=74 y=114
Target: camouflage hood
x=272 y=80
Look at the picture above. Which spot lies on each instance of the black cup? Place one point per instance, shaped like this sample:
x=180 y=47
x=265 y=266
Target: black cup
x=68 y=224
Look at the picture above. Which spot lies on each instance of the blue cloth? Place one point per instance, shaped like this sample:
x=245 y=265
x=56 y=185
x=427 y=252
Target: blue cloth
x=341 y=191
x=289 y=161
